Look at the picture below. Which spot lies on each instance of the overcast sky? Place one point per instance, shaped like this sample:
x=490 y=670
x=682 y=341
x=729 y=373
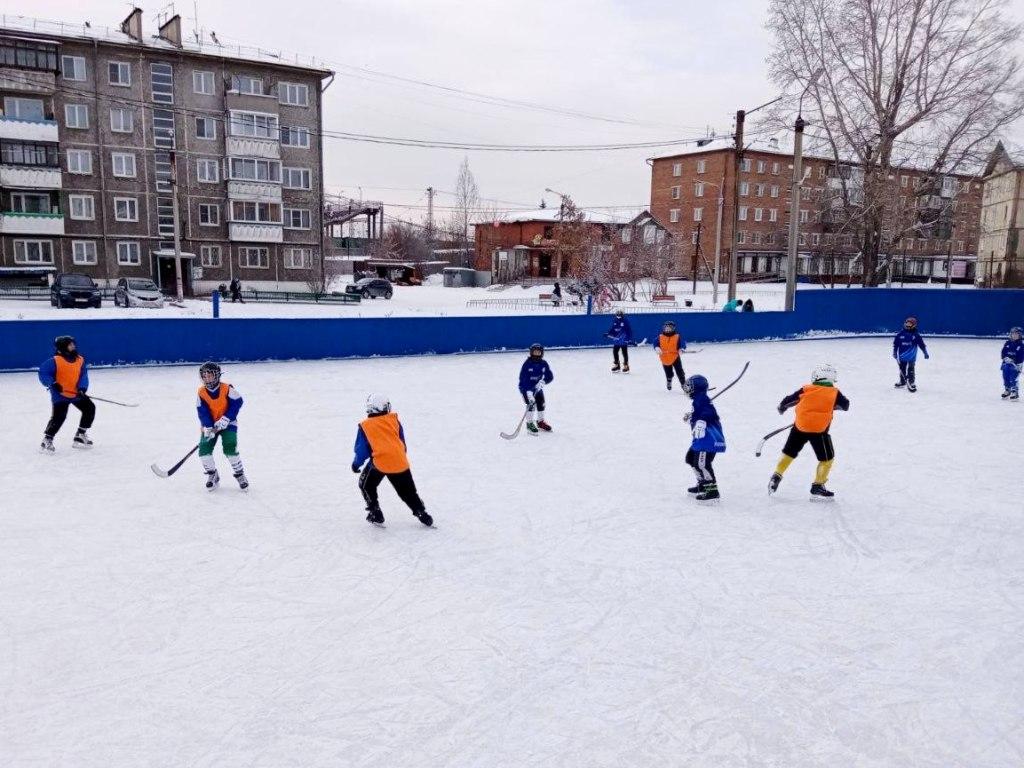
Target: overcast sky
x=677 y=68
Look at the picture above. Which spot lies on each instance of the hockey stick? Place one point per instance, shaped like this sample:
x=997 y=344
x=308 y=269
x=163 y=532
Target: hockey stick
x=161 y=473
x=732 y=383
x=519 y=426
x=113 y=402
x=688 y=351
x=760 y=446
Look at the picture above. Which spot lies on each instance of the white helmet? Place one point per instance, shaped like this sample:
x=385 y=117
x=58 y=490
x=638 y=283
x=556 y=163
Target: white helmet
x=824 y=372
x=377 y=403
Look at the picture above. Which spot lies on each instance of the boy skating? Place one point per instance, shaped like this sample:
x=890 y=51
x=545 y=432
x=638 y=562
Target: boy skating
x=708 y=439
x=904 y=350
x=815 y=404
x=670 y=344
x=621 y=335
x=534 y=374
x=1013 y=359
x=66 y=375
x=380 y=445
x=218 y=404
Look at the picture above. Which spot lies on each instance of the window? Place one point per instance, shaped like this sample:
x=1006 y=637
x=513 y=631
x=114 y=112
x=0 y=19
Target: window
x=677 y=169
x=79 y=161
x=251 y=169
x=904 y=181
x=28 y=153
x=209 y=255
x=161 y=77
x=295 y=137
x=803 y=217
x=202 y=82
x=295 y=94
x=73 y=67
x=76 y=115
x=673 y=215
x=206 y=128
x=774 y=191
x=744 y=188
x=119 y=73
x=627 y=235
x=24 y=109
x=163 y=129
x=698 y=189
x=83 y=207
x=302 y=258
x=702 y=166
x=257 y=213
x=822 y=172
x=165 y=216
x=126 y=209
x=743 y=213
x=28 y=55
x=769 y=239
x=128 y=253
x=122 y=120
x=775 y=169
x=296 y=178
x=83 y=252
x=759 y=190
x=123 y=164
x=208 y=171
x=31 y=202
x=33 y=252
x=674 y=193
x=741 y=237
x=255 y=124
x=773 y=214
x=745 y=165
x=803 y=239
x=698 y=214
x=761 y=165
x=815 y=238
x=254 y=258
x=247 y=84
x=296 y=218
x=209 y=215
x=693 y=237
x=960 y=246
x=758 y=214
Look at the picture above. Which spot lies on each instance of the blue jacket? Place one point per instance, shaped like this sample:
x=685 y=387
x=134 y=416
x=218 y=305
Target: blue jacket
x=234 y=406
x=906 y=344
x=362 y=448
x=532 y=372
x=731 y=306
x=714 y=438
x=48 y=375
x=1014 y=350
x=620 y=333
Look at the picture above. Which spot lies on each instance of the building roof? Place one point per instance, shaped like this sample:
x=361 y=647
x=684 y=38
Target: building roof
x=551 y=216
x=42 y=29
x=1000 y=161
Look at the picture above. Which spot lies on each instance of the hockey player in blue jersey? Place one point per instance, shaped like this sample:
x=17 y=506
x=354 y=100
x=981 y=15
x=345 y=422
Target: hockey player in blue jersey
x=904 y=351
x=708 y=439
x=621 y=335
x=1013 y=359
x=534 y=374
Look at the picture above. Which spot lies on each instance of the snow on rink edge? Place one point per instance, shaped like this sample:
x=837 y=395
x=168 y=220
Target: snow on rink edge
x=574 y=607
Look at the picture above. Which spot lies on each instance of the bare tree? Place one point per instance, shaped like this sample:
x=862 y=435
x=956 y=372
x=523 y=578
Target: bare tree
x=925 y=83
x=467 y=205
x=578 y=249
x=406 y=242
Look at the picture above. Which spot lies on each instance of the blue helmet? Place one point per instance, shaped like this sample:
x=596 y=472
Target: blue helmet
x=695 y=385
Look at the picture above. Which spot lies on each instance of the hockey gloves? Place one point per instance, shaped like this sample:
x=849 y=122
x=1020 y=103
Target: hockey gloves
x=926 y=355
x=222 y=423
x=356 y=468
x=699 y=429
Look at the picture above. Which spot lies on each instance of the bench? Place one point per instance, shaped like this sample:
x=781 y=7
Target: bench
x=549 y=298
x=666 y=299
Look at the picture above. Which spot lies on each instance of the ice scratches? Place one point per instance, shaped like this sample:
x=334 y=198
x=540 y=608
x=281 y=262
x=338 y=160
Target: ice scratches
x=849 y=541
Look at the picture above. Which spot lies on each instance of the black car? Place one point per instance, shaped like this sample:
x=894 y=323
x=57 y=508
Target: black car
x=71 y=290
x=371 y=288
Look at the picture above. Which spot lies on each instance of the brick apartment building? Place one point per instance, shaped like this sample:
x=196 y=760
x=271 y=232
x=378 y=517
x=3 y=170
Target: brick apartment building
x=1000 y=248
x=93 y=120
x=685 y=192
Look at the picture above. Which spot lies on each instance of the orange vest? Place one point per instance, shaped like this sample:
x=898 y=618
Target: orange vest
x=218 y=405
x=816 y=407
x=669 y=346
x=68 y=374
x=382 y=432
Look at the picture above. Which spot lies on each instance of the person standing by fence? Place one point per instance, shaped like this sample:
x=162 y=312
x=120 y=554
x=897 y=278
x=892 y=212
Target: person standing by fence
x=621 y=335
x=236 y=290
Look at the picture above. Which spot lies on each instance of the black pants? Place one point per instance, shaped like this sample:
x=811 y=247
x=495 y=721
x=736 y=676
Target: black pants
x=821 y=442
x=60 y=412
x=236 y=296
x=538 y=398
x=701 y=463
x=907 y=371
x=677 y=366
x=402 y=482
x=625 y=353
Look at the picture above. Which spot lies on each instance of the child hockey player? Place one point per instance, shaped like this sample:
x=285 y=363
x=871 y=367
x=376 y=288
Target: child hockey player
x=815 y=403
x=904 y=350
x=708 y=438
x=218 y=404
x=621 y=335
x=67 y=377
x=1013 y=360
x=534 y=374
x=380 y=445
x=669 y=345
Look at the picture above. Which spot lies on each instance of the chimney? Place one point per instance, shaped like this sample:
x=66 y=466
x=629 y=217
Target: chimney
x=171 y=31
x=773 y=143
x=132 y=26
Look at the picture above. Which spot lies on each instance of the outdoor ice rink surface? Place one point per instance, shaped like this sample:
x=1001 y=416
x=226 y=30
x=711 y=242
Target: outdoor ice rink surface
x=573 y=608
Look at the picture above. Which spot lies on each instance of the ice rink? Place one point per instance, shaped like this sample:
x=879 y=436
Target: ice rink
x=573 y=607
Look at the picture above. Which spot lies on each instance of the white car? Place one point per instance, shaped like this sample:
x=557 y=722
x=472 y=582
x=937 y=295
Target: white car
x=137 y=292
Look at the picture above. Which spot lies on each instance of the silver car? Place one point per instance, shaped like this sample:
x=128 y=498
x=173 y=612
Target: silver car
x=137 y=292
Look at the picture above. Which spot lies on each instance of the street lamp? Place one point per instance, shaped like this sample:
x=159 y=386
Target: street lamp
x=718 y=238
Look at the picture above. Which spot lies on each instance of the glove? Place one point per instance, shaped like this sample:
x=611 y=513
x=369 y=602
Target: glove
x=530 y=400
x=82 y=393
x=894 y=355
x=687 y=416
x=1008 y=360
x=356 y=468
x=539 y=387
x=208 y=433
x=222 y=423
x=56 y=388
x=926 y=355
x=782 y=410
x=699 y=429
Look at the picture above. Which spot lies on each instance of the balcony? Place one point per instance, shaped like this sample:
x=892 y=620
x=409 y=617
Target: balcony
x=16 y=129
x=31 y=223
x=248 y=232
x=244 y=146
x=25 y=81
x=30 y=177
x=260 y=191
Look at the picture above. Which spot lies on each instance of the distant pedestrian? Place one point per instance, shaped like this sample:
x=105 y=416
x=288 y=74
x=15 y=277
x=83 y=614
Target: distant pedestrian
x=556 y=294
x=748 y=306
x=236 y=290
x=732 y=305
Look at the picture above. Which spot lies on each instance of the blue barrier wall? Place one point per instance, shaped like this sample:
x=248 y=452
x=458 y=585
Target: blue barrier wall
x=24 y=343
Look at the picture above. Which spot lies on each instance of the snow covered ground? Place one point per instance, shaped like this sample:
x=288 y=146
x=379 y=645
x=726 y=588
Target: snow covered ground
x=573 y=608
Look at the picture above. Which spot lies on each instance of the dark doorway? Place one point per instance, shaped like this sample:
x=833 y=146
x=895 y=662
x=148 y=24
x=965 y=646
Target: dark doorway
x=167 y=277
x=544 y=265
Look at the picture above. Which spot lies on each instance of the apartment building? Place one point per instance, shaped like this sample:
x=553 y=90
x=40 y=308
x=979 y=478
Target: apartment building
x=1000 y=252
x=103 y=129
x=687 y=188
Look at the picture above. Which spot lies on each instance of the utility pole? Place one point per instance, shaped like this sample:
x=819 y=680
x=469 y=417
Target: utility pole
x=794 y=212
x=718 y=241
x=741 y=117
x=696 y=251
x=949 y=258
x=430 y=216
x=177 y=228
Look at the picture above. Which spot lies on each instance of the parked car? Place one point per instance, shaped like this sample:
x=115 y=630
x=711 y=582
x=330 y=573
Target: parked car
x=71 y=290
x=137 y=292
x=371 y=288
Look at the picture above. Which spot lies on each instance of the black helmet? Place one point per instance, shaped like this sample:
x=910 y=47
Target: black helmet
x=910 y=323
x=538 y=349
x=695 y=384
x=209 y=373
x=619 y=312
x=61 y=344
x=669 y=327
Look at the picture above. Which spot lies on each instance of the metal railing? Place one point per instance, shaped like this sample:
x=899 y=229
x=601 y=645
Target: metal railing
x=294 y=297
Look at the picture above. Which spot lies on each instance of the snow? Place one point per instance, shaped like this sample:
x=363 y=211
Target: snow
x=574 y=606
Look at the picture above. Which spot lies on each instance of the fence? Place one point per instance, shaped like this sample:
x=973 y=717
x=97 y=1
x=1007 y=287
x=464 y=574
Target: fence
x=297 y=297
x=34 y=293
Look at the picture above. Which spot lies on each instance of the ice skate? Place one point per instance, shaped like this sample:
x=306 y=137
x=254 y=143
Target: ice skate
x=81 y=440
x=374 y=515
x=911 y=387
x=616 y=368
x=710 y=493
x=821 y=492
x=773 y=483
x=212 y=480
x=698 y=488
x=1014 y=394
x=668 y=385
x=544 y=425
x=625 y=368
x=243 y=481
x=900 y=384
x=47 y=446
x=532 y=428
x=424 y=518
x=1006 y=394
